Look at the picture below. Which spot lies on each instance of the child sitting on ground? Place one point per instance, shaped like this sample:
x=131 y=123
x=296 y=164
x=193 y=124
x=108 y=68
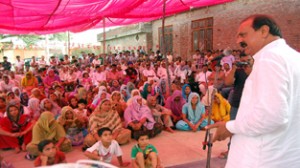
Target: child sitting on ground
x=144 y=155
x=105 y=148
x=81 y=111
x=48 y=154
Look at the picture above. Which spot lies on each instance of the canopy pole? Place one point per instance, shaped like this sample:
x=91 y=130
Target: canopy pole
x=104 y=36
x=69 y=44
x=164 y=47
x=47 y=47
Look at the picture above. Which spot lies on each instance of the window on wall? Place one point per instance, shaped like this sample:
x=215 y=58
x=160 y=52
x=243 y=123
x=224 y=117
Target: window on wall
x=202 y=34
x=168 y=38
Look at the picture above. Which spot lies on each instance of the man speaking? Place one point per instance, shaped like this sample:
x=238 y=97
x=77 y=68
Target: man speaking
x=266 y=131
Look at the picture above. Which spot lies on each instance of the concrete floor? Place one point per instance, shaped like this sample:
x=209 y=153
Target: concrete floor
x=174 y=149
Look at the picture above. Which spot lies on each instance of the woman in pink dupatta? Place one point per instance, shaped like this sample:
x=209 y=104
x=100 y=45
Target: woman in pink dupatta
x=139 y=119
x=175 y=103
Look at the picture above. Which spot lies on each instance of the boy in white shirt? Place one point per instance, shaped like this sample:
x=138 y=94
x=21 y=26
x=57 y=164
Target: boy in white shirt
x=105 y=148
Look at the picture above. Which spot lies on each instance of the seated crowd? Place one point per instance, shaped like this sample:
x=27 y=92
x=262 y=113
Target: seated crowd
x=104 y=101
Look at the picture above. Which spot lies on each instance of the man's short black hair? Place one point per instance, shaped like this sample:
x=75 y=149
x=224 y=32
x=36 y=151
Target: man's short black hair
x=243 y=54
x=261 y=20
x=41 y=70
x=43 y=143
x=102 y=130
x=143 y=133
x=83 y=101
x=5 y=57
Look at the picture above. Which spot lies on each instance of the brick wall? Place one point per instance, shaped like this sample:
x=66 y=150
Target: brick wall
x=127 y=43
x=226 y=21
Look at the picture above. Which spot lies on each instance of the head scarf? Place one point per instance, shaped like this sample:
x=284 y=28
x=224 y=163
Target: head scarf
x=11 y=125
x=195 y=115
x=183 y=91
x=175 y=107
x=43 y=130
x=145 y=91
x=24 y=98
x=101 y=88
x=98 y=107
x=114 y=93
x=129 y=101
x=11 y=93
x=100 y=119
x=133 y=91
x=130 y=86
x=55 y=108
x=8 y=114
x=51 y=80
x=163 y=85
x=124 y=88
x=50 y=70
x=220 y=111
x=62 y=118
x=14 y=89
x=135 y=112
x=160 y=98
x=34 y=107
x=26 y=81
x=98 y=99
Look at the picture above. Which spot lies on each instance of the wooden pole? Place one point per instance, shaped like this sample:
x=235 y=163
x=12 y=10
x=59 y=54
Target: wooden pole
x=69 y=43
x=163 y=47
x=47 y=47
x=104 y=36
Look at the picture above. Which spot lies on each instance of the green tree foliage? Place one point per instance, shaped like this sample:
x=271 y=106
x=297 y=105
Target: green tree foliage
x=59 y=36
x=30 y=39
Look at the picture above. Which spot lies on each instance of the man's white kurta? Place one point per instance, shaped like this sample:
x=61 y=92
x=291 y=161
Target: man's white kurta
x=267 y=127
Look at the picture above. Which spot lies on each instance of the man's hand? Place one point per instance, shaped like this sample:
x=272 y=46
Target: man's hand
x=221 y=133
x=44 y=160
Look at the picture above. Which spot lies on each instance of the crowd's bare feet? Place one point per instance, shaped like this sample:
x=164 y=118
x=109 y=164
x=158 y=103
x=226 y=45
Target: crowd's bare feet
x=17 y=150
x=169 y=129
x=23 y=147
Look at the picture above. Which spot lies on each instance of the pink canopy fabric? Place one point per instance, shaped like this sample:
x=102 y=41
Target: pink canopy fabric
x=51 y=16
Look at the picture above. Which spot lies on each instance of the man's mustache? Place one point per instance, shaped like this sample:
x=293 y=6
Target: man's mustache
x=243 y=44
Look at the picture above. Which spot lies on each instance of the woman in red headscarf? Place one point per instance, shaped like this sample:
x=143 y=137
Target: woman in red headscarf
x=15 y=129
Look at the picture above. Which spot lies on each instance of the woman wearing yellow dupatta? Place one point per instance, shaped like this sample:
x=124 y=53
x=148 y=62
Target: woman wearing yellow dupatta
x=105 y=116
x=29 y=82
x=48 y=128
x=220 y=109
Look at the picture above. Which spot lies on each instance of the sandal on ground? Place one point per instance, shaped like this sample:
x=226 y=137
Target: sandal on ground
x=29 y=157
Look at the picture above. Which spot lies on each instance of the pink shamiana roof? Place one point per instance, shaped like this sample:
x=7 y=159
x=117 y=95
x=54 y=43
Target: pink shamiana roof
x=51 y=16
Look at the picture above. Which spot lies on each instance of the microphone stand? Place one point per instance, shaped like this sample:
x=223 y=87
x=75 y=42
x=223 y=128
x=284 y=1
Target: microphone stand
x=208 y=135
